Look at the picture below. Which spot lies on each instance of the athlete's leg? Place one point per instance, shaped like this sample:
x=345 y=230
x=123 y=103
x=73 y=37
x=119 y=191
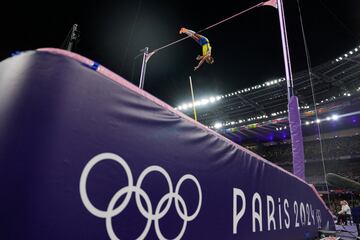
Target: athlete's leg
x=190 y=33
x=199 y=36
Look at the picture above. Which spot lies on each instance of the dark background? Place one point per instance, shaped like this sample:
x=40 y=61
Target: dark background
x=247 y=50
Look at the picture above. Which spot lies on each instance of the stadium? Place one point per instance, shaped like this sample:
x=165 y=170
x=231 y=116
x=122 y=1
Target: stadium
x=96 y=143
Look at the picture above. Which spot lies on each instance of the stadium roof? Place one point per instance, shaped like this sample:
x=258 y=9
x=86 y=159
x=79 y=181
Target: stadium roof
x=332 y=81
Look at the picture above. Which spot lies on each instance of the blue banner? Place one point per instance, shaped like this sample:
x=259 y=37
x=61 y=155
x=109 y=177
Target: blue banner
x=86 y=155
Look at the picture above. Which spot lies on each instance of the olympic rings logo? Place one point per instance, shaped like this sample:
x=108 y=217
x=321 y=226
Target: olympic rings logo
x=149 y=214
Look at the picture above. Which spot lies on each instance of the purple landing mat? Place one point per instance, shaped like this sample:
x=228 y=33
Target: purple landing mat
x=84 y=154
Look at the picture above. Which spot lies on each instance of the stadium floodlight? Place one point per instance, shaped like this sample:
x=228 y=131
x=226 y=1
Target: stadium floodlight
x=356 y=49
x=218 y=98
x=217 y=125
x=340 y=58
x=307 y=123
x=204 y=101
x=318 y=121
x=212 y=99
x=337 y=60
x=348 y=94
x=351 y=52
x=334 y=117
x=345 y=55
x=328 y=118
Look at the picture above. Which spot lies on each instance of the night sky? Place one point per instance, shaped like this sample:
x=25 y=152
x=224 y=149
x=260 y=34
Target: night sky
x=247 y=50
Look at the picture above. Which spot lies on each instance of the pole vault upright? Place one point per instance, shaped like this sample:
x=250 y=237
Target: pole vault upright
x=143 y=67
x=293 y=103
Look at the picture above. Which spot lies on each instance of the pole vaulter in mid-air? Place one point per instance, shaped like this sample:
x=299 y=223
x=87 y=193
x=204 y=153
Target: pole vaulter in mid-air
x=205 y=45
x=203 y=41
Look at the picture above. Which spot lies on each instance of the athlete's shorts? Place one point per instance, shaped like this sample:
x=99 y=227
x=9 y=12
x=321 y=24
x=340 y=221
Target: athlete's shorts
x=206 y=48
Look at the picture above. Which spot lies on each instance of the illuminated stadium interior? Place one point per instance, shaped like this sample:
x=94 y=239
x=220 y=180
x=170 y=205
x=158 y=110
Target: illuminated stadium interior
x=256 y=117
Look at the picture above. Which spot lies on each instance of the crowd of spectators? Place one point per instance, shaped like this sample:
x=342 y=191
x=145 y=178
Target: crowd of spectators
x=341 y=155
x=333 y=149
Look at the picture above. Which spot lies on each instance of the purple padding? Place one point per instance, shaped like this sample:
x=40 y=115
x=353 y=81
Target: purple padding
x=296 y=138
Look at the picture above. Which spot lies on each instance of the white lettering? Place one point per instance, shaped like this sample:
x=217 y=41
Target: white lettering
x=280 y=218
x=318 y=217
x=312 y=214
x=296 y=212
x=277 y=213
x=302 y=214
x=238 y=215
x=256 y=216
x=308 y=214
x=287 y=219
x=270 y=213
